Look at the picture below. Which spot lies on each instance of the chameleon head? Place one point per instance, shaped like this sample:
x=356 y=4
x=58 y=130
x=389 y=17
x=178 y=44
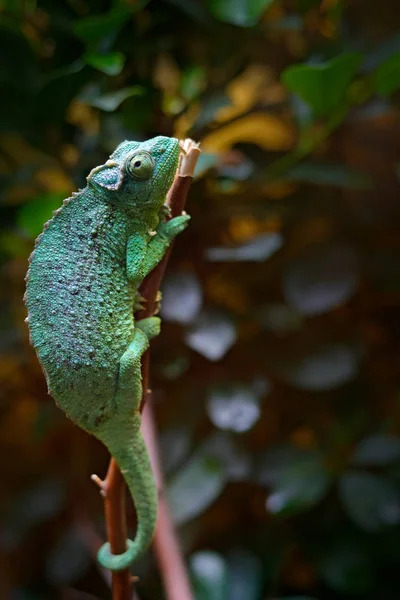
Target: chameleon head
x=138 y=175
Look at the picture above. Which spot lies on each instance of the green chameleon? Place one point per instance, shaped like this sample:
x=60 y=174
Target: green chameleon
x=82 y=288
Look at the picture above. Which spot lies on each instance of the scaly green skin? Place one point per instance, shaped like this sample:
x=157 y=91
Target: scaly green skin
x=81 y=291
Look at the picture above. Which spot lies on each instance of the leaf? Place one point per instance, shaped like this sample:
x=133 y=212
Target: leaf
x=243 y=13
x=195 y=486
x=97 y=28
x=212 y=335
x=233 y=408
x=318 y=282
x=175 y=366
x=246 y=576
x=259 y=249
x=369 y=500
x=347 y=568
x=324 y=368
x=244 y=92
x=299 y=480
x=377 y=450
x=193 y=82
x=235 y=460
x=174 y=447
x=209 y=576
x=323 y=86
x=36 y=212
x=58 y=91
x=112 y=100
x=329 y=174
x=195 y=10
x=110 y=64
x=209 y=107
x=267 y=131
x=182 y=297
x=386 y=79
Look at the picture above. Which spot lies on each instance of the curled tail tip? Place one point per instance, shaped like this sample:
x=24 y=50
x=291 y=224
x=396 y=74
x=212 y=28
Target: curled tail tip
x=117 y=562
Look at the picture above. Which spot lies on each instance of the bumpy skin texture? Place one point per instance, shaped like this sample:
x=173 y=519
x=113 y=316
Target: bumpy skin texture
x=81 y=290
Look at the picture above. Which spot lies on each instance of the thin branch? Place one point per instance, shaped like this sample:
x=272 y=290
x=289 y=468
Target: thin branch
x=167 y=548
x=166 y=544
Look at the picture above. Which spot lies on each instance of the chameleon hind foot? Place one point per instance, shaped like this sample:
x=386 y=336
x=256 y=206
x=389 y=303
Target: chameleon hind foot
x=150 y=326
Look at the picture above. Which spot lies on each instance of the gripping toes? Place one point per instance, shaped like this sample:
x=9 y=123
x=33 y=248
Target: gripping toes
x=174 y=226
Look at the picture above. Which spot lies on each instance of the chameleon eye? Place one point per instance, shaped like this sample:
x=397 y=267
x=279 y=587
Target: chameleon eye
x=140 y=165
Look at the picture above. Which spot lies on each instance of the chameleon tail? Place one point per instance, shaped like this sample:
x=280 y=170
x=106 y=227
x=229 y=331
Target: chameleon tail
x=127 y=447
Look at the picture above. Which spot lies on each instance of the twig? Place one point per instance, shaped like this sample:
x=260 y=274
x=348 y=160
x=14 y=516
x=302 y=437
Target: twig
x=166 y=544
x=113 y=487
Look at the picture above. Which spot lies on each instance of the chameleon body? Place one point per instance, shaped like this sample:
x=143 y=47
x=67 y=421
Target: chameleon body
x=82 y=285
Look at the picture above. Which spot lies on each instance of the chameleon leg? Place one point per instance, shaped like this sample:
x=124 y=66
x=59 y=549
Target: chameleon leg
x=159 y=244
x=149 y=326
x=123 y=438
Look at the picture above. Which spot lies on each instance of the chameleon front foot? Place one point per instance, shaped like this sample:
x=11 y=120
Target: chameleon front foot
x=116 y=562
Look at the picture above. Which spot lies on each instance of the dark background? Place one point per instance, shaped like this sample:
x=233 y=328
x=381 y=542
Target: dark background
x=276 y=377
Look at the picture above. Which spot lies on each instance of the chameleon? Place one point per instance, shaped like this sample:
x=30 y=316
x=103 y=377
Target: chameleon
x=81 y=293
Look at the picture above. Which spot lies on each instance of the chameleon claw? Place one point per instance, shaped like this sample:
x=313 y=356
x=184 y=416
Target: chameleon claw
x=140 y=303
x=152 y=233
x=157 y=303
x=165 y=212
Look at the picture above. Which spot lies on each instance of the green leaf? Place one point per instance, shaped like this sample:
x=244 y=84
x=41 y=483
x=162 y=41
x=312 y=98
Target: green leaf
x=386 y=79
x=196 y=486
x=57 y=92
x=174 y=446
x=377 y=450
x=209 y=575
x=370 y=501
x=243 y=13
x=246 y=576
x=35 y=213
x=347 y=568
x=193 y=82
x=112 y=100
x=322 y=86
x=299 y=479
x=95 y=28
x=110 y=64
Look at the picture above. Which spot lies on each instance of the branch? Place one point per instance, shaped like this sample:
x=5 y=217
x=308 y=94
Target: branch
x=168 y=553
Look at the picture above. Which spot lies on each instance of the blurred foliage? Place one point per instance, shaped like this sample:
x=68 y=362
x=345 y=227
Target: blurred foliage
x=276 y=377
